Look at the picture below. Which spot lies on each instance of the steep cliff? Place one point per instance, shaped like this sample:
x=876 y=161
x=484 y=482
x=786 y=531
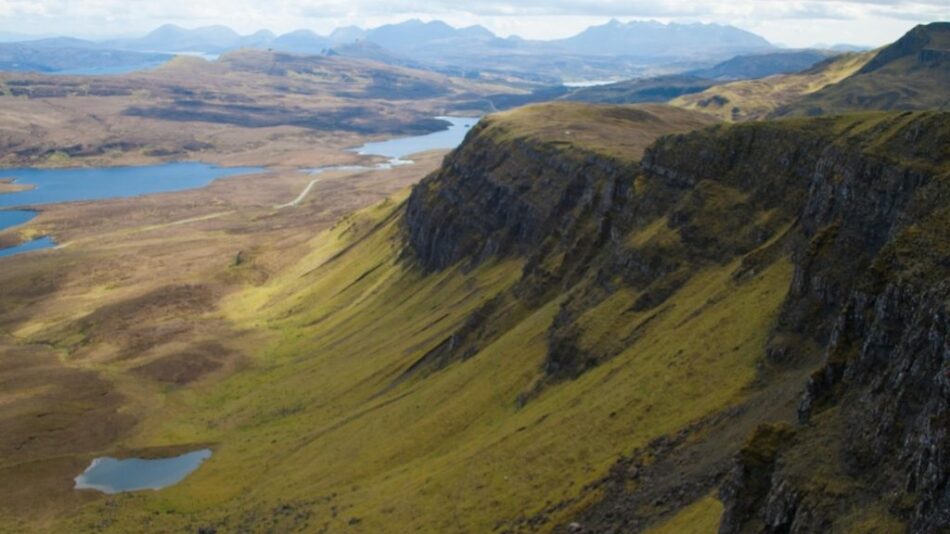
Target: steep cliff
x=527 y=175
x=857 y=204
x=588 y=322
x=870 y=288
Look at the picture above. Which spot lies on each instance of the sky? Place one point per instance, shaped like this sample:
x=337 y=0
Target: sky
x=787 y=22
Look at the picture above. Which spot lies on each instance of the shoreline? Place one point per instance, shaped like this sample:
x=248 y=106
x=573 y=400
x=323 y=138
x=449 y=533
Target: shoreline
x=9 y=185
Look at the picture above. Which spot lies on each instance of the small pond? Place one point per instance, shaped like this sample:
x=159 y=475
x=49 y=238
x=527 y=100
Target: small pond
x=111 y=475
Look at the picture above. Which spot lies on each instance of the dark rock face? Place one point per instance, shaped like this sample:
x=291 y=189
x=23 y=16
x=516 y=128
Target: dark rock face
x=521 y=199
x=871 y=286
x=863 y=212
x=489 y=201
x=752 y=475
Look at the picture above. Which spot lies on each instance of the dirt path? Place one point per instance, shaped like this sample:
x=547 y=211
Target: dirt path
x=303 y=194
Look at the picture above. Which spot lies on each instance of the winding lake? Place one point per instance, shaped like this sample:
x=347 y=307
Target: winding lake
x=397 y=150
x=10 y=218
x=404 y=146
x=66 y=185
x=110 y=475
x=91 y=183
x=36 y=244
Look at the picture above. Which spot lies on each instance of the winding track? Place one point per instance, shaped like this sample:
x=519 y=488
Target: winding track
x=303 y=194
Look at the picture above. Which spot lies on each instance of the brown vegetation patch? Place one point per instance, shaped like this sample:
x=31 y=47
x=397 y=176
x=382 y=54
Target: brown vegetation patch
x=52 y=417
x=188 y=365
x=141 y=322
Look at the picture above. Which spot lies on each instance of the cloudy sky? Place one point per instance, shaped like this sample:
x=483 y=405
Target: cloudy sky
x=789 y=22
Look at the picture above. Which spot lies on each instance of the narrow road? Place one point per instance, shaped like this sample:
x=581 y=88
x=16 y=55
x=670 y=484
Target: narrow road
x=302 y=195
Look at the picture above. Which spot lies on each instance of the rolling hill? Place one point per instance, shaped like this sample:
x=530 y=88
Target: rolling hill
x=912 y=73
x=669 y=87
x=190 y=105
x=658 y=89
x=762 y=65
x=589 y=318
x=756 y=99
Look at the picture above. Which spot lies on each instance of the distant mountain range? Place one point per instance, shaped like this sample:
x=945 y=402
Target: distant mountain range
x=653 y=39
x=474 y=48
x=73 y=56
x=665 y=88
x=615 y=50
x=762 y=65
x=843 y=47
x=644 y=39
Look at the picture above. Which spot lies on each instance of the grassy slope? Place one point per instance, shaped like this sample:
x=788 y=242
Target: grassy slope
x=659 y=89
x=755 y=99
x=907 y=75
x=621 y=132
x=315 y=433
x=317 y=430
x=701 y=517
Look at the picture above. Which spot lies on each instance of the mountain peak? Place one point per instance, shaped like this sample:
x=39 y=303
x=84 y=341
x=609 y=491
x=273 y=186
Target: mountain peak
x=347 y=34
x=166 y=29
x=263 y=34
x=653 y=38
x=924 y=36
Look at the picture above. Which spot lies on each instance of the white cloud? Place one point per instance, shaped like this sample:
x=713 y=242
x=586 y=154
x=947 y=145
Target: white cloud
x=795 y=22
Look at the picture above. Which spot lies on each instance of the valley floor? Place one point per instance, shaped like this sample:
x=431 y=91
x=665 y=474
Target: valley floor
x=576 y=322
x=124 y=319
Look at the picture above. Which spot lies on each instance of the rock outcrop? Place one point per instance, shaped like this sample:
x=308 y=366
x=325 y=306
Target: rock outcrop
x=858 y=204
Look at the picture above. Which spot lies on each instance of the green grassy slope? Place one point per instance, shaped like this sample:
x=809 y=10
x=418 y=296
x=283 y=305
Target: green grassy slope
x=913 y=73
x=658 y=89
x=755 y=99
x=634 y=319
x=321 y=422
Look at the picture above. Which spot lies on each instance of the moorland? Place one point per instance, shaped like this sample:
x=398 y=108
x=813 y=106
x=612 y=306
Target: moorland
x=722 y=312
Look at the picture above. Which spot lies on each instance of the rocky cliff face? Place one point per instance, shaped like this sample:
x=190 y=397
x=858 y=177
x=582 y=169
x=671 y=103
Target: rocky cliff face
x=871 y=288
x=489 y=201
x=859 y=204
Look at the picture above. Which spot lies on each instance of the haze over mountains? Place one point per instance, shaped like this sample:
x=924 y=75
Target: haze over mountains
x=614 y=49
x=649 y=39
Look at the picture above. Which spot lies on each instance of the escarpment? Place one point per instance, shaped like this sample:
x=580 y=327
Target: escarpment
x=870 y=294
x=491 y=201
x=526 y=176
x=856 y=204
